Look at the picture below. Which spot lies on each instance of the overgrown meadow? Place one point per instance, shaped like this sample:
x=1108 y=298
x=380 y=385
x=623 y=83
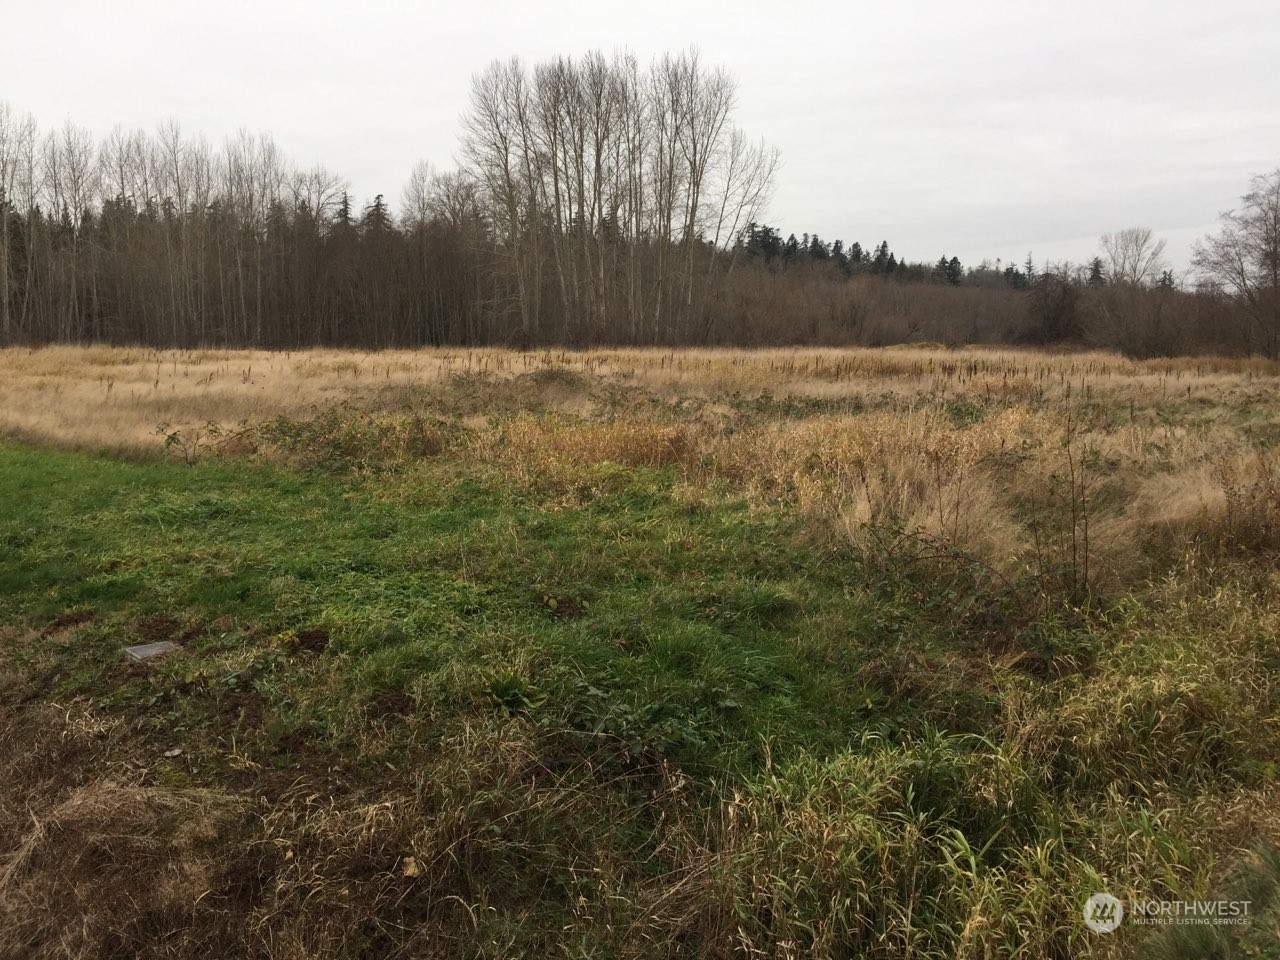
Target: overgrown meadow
x=873 y=653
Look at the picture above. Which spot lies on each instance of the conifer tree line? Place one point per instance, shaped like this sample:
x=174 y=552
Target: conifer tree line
x=597 y=201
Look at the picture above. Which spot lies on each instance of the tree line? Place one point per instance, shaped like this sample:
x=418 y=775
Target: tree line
x=598 y=201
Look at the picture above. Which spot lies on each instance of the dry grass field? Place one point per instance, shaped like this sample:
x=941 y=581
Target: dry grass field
x=962 y=445
x=782 y=653
x=113 y=398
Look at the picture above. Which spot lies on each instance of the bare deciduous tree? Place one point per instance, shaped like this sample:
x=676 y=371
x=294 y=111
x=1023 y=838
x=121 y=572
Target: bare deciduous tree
x=1243 y=259
x=17 y=136
x=624 y=186
x=1134 y=256
x=317 y=192
x=415 y=206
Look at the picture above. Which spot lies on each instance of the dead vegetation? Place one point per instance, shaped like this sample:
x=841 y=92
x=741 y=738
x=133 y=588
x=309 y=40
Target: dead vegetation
x=1078 y=465
x=114 y=398
x=95 y=866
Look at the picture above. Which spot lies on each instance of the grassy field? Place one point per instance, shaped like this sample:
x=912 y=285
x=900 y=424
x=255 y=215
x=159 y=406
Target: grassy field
x=891 y=653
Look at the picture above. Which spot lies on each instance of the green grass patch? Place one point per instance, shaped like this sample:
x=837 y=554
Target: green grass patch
x=479 y=720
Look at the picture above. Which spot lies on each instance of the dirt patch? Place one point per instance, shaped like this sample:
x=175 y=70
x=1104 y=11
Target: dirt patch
x=66 y=621
x=241 y=709
x=293 y=742
x=394 y=703
x=312 y=640
x=152 y=629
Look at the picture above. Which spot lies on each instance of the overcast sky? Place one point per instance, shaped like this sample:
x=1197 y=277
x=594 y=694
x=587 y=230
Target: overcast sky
x=975 y=129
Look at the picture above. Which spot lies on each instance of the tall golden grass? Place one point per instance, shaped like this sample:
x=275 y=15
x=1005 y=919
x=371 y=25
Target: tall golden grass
x=114 y=397
x=1008 y=457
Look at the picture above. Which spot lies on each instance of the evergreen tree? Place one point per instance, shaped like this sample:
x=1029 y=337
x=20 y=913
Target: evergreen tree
x=342 y=217
x=1015 y=277
x=1097 y=276
x=763 y=241
x=880 y=260
x=840 y=257
x=376 y=219
x=954 y=272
